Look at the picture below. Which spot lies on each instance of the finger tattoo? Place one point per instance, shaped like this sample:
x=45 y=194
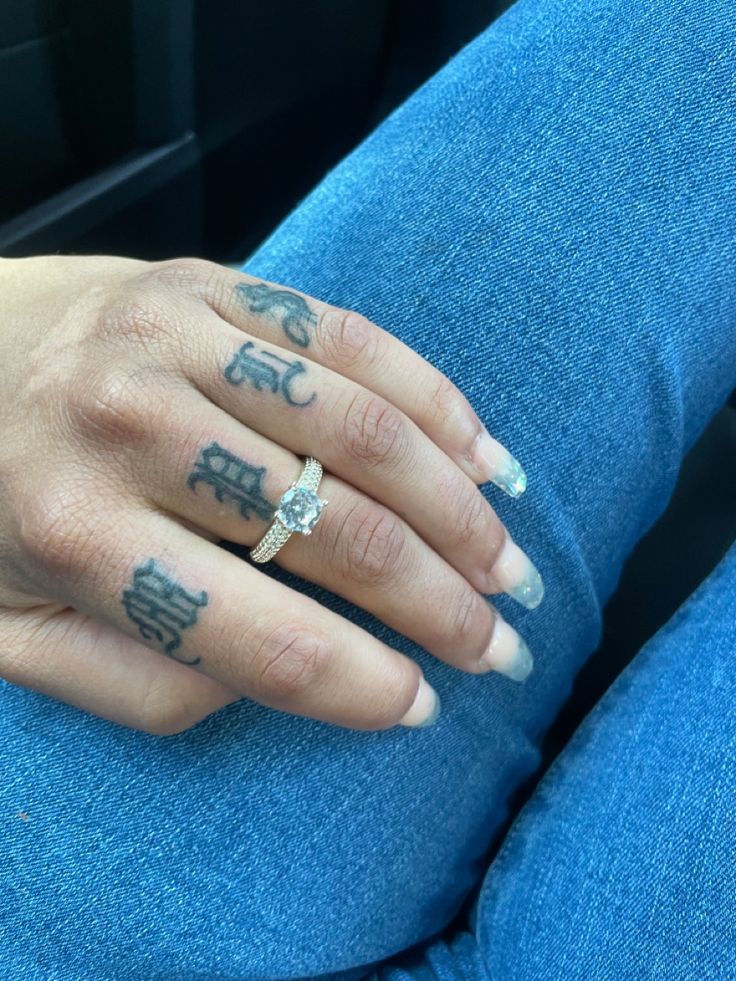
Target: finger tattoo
x=231 y=477
x=288 y=309
x=264 y=369
x=161 y=608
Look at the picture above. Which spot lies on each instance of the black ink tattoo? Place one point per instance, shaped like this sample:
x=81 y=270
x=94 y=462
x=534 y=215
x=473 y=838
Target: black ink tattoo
x=266 y=371
x=288 y=309
x=161 y=608
x=229 y=476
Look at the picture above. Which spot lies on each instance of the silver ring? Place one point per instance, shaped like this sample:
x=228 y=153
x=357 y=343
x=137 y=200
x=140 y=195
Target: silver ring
x=299 y=510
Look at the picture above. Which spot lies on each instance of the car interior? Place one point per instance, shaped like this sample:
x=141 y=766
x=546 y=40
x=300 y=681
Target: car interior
x=156 y=128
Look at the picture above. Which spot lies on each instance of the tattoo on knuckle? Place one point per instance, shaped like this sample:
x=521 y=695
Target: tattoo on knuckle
x=289 y=310
x=161 y=608
x=373 y=431
x=376 y=541
x=232 y=478
x=289 y=661
x=263 y=369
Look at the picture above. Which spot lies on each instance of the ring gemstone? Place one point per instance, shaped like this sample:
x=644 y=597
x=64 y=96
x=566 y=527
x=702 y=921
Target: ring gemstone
x=299 y=509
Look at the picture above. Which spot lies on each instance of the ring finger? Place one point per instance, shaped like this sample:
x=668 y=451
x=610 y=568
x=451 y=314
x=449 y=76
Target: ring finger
x=364 y=439
x=227 y=480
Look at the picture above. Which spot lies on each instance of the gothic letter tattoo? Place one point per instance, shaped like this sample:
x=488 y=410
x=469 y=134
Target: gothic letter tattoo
x=286 y=308
x=161 y=608
x=268 y=370
x=229 y=476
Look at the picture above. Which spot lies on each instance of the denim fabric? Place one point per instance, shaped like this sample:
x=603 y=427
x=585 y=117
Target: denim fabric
x=550 y=220
x=623 y=863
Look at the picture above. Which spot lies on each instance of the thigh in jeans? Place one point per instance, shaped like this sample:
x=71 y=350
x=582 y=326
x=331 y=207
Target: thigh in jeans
x=622 y=863
x=550 y=220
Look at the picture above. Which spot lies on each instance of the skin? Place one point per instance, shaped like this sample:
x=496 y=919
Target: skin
x=151 y=410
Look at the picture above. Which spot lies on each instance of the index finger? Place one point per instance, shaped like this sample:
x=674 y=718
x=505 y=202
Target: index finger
x=138 y=570
x=349 y=343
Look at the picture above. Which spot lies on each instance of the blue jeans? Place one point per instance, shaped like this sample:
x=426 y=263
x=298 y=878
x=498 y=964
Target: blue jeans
x=551 y=220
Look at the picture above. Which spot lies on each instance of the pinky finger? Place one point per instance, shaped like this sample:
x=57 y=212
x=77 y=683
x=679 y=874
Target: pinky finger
x=91 y=665
x=355 y=347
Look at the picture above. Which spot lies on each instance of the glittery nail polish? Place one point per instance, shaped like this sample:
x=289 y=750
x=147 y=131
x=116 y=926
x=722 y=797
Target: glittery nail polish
x=496 y=464
x=507 y=652
x=516 y=575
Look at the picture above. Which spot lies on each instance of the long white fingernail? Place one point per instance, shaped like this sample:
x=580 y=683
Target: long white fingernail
x=496 y=464
x=425 y=707
x=516 y=575
x=507 y=652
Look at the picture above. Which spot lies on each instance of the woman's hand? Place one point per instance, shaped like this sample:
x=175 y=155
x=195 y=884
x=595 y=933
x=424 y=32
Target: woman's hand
x=150 y=410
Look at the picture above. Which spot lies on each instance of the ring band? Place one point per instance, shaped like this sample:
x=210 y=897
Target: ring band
x=299 y=510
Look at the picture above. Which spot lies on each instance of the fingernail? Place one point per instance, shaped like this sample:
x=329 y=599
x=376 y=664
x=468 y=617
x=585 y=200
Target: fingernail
x=497 y=465
x=507 y=652
x=425 y=708
x=516 y=575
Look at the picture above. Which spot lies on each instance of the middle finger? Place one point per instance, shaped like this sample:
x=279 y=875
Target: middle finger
x=368 y=442
x=220 y=477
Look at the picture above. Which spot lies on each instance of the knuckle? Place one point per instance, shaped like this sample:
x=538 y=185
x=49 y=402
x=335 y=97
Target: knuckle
x=471 y=517
x=468 y=622
x=373 y=431
x=444 y=403
x=111 y=408
x=20 y=649
x=163 y=714
x=372 y=541
x=182 y=273
x=347 y=338
x=290 y=660
x=164 y=725
x=142 y=316
x=396 y=702
x=56 y=531
x=495 y=540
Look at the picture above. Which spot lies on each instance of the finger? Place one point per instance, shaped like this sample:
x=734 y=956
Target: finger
x=231 y=486
x=158 y=583
x=369 y=443
x=74 y=659
x=354 y=346
x=349 y=343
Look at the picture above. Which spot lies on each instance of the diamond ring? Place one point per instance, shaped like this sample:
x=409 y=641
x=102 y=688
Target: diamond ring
x=299 y=510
